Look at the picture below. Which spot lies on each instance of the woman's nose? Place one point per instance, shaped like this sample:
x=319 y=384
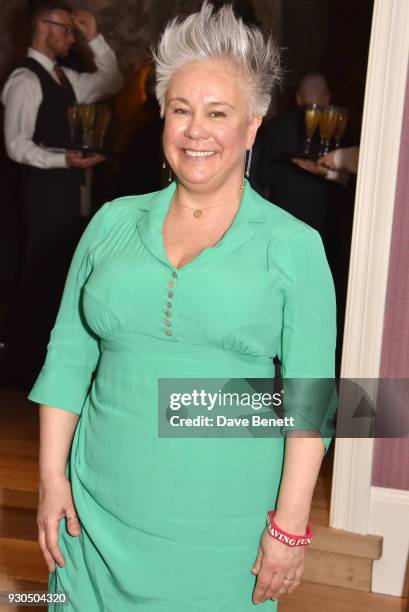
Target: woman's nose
x=196 y=128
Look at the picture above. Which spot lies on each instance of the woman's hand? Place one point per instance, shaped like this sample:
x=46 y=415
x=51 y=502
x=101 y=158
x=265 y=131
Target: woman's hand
x=55 y=503
x=275 y=562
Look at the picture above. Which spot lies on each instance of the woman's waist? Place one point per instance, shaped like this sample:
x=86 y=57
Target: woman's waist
x=128 y=348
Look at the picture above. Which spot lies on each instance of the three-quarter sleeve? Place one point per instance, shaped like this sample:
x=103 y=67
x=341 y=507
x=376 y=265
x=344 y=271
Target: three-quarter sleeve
x=73 y=350
x=309 y=337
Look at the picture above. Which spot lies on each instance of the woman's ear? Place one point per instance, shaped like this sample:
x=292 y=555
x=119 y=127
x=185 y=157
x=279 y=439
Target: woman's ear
x=255 y=123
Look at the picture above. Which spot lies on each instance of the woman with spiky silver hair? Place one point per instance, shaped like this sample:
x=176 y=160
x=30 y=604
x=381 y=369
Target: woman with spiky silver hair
x=201 y=280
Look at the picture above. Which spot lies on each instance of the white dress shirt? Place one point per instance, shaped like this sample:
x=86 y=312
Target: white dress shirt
x=22 y=96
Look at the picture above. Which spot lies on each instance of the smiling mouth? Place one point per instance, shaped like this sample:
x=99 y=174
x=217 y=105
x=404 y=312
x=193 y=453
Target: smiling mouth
x=191 y=153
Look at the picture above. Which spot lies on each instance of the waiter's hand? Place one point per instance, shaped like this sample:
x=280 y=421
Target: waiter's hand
x=327 y=160
x=85 y=22
x=310 y=166
x=74 y=159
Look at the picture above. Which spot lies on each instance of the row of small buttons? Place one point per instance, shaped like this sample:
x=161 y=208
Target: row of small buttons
x=168 y=306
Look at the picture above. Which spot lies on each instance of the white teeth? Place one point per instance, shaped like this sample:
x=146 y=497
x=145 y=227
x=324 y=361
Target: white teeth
x=199 y=153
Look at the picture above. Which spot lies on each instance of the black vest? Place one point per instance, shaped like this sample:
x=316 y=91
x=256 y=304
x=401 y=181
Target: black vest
x=52 y=129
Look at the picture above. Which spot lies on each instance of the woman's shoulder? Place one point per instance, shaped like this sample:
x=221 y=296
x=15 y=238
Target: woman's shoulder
x=292 y=244
x=128 y=205
x=279 y=223
x=114 y=217
x=119 y=212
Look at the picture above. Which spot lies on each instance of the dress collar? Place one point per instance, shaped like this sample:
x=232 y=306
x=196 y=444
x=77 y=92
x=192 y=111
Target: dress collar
x=150 y=226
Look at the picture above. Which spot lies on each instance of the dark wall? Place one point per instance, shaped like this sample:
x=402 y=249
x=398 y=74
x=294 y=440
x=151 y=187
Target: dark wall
x=131 y=26
x=331 y=37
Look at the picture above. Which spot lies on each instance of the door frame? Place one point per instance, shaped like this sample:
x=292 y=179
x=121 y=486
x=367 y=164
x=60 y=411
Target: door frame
x=370 y=247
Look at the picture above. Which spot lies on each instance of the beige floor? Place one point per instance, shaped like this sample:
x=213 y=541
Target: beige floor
x=317 y=598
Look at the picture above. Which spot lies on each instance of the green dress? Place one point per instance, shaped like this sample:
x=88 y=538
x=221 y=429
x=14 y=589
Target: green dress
x=173 y=524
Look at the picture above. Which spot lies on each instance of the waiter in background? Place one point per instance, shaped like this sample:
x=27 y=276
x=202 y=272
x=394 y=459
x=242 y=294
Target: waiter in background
x=36 y=97
x=302 y=194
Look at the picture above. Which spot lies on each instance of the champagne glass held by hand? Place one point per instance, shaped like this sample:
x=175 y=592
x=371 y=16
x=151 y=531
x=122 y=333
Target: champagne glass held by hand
x=327 y=125
x=87 y=114
x=312 y=115
x=341 y=126
x=330 y=125
x=103 y=120
x=73 y=121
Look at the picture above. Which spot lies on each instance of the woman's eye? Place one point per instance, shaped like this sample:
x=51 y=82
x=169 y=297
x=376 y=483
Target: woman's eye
x=217 y=114
x=180 y=111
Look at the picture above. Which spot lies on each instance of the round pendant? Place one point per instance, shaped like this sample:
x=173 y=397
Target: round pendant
x=197 y=213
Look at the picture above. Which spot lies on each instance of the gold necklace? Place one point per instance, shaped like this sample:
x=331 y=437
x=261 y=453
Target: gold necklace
x=198 y=212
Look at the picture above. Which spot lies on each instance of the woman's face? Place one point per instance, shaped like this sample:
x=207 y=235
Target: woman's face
x=207 y=124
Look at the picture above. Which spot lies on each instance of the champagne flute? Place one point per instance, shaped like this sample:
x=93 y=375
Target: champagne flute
x=312 y=117
x=73 y=121
x=104 y=114
x=328 y=122
x=341 y=125
x=87 y=114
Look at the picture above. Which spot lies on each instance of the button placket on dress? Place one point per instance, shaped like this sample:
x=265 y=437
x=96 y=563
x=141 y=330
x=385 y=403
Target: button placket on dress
x=150 y=229
x=169 y=303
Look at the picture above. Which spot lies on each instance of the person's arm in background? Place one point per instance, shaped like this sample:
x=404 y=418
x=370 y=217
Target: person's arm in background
x=344 y=159
x=338 y=176
x=22 y=97
x=61 y=389
x=107 y=80
x=336 y=165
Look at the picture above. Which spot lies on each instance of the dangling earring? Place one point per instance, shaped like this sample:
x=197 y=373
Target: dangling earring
x=249 y=162
x=170 y=172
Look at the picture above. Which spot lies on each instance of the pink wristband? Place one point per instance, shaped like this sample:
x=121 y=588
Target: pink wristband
x=287 y=538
